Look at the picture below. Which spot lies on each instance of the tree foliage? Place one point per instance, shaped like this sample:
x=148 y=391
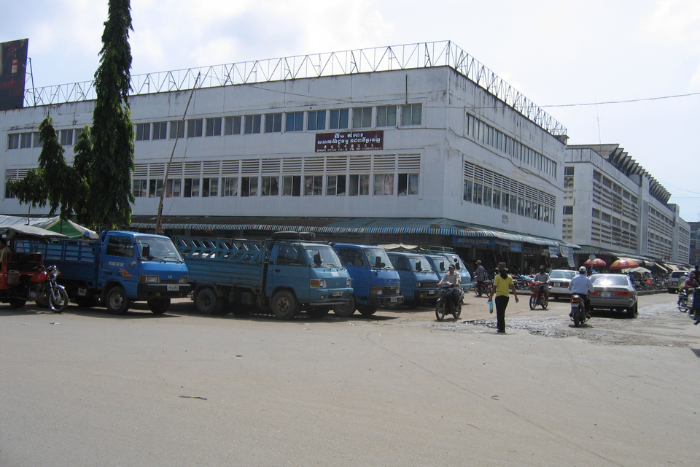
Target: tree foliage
x=112 y=153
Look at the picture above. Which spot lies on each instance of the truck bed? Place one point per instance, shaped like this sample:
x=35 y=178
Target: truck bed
x=75 y=259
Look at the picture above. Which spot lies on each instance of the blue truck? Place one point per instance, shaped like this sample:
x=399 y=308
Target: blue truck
x=374 y=279
x=418 y=280
x=441 y=262
x=285 y=275
x=116 y=269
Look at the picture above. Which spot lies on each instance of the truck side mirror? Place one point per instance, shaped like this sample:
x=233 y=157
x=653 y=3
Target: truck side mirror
x=418 y=267
x=146 y=250
x=378 y=263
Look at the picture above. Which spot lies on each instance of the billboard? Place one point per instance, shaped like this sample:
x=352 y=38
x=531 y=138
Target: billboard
x=13 y=64
x=349 y=141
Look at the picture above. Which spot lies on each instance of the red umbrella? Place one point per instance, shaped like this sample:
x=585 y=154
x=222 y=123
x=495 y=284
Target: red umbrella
x=624 y=263
x=596 y=263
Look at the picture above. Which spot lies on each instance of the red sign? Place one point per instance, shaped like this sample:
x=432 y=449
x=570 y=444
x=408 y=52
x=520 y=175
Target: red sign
x=349 y=141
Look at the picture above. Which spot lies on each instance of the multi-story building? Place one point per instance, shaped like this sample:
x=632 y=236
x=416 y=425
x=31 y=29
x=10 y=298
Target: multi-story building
x=613 y=207
x=417 y=144
x=694 y=243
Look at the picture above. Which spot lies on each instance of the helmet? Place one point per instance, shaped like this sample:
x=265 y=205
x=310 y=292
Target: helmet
x=582 y=269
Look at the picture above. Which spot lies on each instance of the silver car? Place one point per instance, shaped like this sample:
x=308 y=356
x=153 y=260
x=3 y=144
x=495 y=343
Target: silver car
x=614 y=292
x=559 y=283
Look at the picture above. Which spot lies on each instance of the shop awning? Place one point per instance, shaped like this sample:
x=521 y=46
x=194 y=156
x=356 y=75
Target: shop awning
x=434 y=226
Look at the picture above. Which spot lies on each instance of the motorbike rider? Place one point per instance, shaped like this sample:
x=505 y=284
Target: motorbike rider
x=691 y=283
x=543 y=277
x=581 y=285
x=453 y=278
x=480 y=275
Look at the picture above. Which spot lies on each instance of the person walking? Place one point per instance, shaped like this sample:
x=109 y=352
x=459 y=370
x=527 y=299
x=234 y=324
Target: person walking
x=502 y=284
x=480 y=275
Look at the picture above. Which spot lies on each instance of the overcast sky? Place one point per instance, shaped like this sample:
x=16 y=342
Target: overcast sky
x=555 y=52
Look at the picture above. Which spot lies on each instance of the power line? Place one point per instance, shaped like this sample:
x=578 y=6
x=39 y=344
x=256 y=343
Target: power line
x=624 y=102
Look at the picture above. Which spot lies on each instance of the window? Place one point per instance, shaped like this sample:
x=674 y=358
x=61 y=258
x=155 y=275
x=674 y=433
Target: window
x=160 y=130
x=313 y=185
x=232 y=126
x=120 y=246
x=496 y=199
x=177 y=129
x=214 y=126
x=316 y=120
x=606 y=217
x=273 y=123
x=478 y=193
x=568 y=170
x=143 y=131
x=468 y=190
x=339 y=119
x=66 y=137
x=408 y=184
x=249 y=186
x=140 y=188
x=362 y=117
x=295 y=121
x=8 y=193
x=78 y=132
x=359 y=185
x=25 y=140
x=335 y=185
x=155 y=188
x=191 y=188
x=195 y=127
x=210 y=187
x=488 y=193
x=386 y=116
x=595 y=214
x=568 y=210
x=229 y=186
x=252 y=124
x=37 y=140
x=505 y=201
x=411 y=114
x=597 y=176
x=384 y=184
x=291 y=185
x=172 y=188
x=270 y=186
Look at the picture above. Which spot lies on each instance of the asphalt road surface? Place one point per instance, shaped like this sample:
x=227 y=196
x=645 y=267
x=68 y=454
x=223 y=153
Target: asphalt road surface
x=86 y=388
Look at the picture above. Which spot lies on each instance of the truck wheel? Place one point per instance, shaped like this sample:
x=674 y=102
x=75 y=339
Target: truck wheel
x=207 y=302
x=346 y=309
x=284 y=305
x=116 y=300
x=17 y=303
x=86 y=302
x=159 y=305
x=366 y=310
x=318 y=312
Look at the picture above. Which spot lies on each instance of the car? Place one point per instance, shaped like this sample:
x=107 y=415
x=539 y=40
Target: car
x=614 y=292
x=677 y=280
x=559 y=282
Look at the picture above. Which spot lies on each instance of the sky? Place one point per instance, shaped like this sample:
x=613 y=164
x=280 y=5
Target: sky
x=611 y=71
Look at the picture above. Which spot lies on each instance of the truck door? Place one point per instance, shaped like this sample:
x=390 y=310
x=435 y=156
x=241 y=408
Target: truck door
x=118 y=263
x=290 y=269
x=354 y=261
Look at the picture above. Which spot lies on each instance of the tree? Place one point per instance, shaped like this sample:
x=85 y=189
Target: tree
x=111 y=158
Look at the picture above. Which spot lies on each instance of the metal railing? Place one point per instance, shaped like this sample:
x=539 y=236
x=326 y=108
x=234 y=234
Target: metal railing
x=399 y=57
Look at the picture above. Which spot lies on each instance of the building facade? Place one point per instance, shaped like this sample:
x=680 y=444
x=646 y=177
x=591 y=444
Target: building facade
x=441 y=152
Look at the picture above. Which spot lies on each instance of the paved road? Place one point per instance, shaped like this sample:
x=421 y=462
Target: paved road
x=89 y=389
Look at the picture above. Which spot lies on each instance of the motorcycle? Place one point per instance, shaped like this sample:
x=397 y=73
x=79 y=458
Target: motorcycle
x=45 y=291
x=578 y=310
x=444 y=305
x=539 y=295
x=683 y=305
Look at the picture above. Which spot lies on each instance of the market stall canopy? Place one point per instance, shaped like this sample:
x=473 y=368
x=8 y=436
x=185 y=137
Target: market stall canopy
x=640 y=270
x=596 y=263
x=624 y=263
x=12 y=231
x=67 y=228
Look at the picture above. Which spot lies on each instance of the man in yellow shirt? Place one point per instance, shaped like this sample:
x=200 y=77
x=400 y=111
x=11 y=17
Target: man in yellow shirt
x=502 y=284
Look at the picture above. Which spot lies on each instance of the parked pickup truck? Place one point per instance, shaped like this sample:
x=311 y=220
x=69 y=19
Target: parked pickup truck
x=118 y=268
x=374 y=279
x=286 y=274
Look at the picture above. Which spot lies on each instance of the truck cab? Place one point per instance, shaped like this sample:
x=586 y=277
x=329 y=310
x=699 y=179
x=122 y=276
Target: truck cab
x=418 y=280
x=374 y=280
x=456 y=261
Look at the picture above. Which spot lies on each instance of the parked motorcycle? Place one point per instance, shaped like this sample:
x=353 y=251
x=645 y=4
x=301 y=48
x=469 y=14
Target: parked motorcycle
x=444 y=305
x=539 y=295
x=578 y=310
x=45 y=291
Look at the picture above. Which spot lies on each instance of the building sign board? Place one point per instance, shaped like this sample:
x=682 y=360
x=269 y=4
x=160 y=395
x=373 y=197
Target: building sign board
x=13 y=64
x=473 y=241
x=349 y=141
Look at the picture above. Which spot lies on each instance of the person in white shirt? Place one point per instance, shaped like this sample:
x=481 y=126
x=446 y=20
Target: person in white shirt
x=542 y=277
x=455 y=279
x=581 y=285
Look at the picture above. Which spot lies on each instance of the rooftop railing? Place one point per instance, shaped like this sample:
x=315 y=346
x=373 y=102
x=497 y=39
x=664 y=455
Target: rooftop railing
x=400 y=57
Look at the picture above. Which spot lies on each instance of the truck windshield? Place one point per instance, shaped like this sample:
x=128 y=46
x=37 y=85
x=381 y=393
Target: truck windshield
x=159 y=249
x=420 y=263
x=378 y=259
x=321 y=256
